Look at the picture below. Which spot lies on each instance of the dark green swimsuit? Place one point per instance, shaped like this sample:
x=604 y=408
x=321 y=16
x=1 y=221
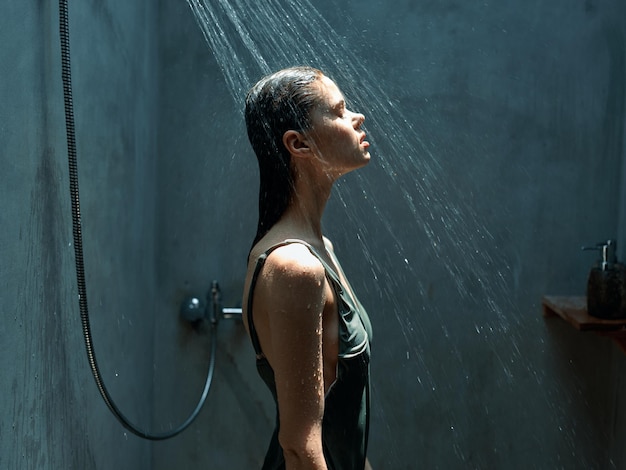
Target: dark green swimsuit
x=345 y=425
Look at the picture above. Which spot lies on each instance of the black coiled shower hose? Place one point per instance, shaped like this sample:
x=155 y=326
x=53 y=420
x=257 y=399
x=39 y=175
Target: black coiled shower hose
x=78 y=251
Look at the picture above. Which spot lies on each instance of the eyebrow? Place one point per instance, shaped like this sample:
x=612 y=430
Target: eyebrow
x=340 y=104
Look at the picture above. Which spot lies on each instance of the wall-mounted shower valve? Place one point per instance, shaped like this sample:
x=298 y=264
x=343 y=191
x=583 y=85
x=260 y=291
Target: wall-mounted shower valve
x=193 y=310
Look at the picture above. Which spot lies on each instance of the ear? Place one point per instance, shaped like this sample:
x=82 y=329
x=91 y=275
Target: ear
x=297 y=144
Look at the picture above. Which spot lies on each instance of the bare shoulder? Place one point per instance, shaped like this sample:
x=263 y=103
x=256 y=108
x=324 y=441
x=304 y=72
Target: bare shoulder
x=294 y=263
x=293 y=282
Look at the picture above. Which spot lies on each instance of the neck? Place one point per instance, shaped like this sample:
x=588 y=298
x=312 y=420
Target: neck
x=304 y=214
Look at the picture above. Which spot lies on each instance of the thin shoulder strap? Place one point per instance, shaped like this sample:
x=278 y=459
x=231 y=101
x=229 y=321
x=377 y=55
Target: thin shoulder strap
x=260 y=262
x=253 y=336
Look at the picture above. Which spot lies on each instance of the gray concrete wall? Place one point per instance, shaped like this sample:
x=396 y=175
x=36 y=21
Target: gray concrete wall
x=522 y=106
x=52 y=414
x=205 y=216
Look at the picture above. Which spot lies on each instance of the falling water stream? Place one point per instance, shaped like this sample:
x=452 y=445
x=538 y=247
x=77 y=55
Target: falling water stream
x=249 y=39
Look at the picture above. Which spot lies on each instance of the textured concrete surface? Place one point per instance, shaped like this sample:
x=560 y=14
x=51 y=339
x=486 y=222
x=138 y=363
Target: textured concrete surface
x=521 y=107
x=52 y=414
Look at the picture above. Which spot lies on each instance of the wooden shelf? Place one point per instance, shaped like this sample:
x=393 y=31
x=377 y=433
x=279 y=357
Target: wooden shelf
x=573 y=309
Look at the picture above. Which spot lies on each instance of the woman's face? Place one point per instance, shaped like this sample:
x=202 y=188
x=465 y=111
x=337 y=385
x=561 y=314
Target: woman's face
x=339 y=142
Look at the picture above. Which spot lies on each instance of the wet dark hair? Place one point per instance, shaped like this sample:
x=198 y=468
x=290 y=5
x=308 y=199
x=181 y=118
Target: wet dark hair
x=279 y=102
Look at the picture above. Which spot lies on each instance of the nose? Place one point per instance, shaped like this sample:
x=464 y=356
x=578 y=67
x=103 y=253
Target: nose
x=358 y=120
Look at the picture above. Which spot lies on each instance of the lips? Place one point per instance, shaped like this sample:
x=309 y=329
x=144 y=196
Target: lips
x=363 y=142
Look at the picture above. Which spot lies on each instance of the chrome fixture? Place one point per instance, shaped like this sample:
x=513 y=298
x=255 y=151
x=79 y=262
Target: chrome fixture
x=194 y=312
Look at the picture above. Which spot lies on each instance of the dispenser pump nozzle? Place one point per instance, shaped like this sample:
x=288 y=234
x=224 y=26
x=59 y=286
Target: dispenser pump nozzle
x=608 y=250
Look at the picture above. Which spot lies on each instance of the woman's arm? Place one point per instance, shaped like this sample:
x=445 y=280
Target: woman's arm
x=294 y=293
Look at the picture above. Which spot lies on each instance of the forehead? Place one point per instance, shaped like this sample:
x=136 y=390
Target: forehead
x=330 y=94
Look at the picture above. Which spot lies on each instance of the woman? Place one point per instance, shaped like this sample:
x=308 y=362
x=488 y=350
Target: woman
x=310 y=333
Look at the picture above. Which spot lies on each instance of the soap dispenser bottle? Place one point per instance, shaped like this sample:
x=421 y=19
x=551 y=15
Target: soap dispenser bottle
x=606 y=286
